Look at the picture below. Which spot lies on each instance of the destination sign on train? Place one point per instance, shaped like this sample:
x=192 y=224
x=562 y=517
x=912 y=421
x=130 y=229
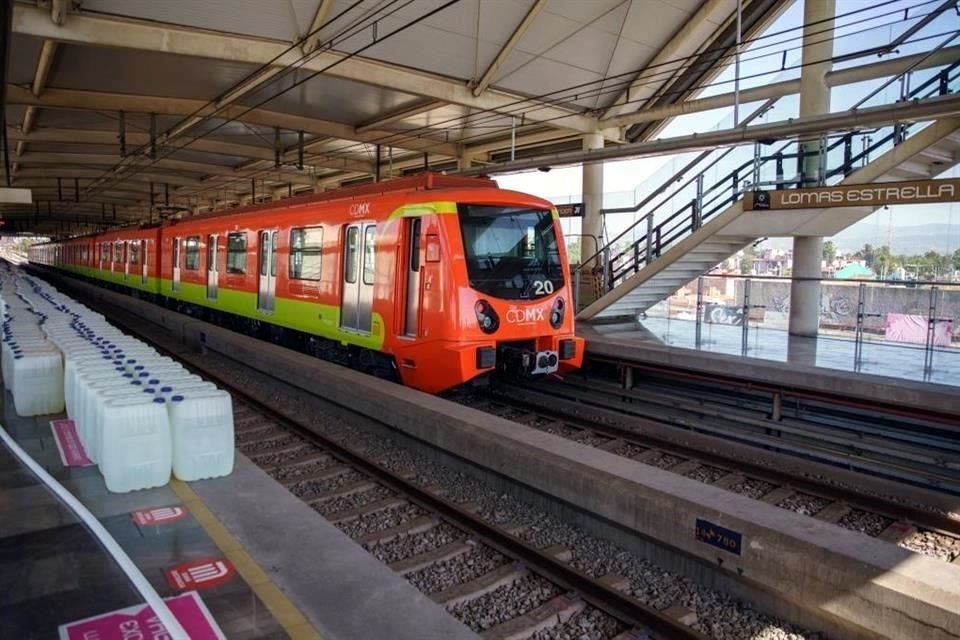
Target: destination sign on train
x=856 y=195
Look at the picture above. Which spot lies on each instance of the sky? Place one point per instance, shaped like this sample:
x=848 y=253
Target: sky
x=868 y=24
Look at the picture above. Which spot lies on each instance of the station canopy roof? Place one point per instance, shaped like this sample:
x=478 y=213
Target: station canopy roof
x=213 y=97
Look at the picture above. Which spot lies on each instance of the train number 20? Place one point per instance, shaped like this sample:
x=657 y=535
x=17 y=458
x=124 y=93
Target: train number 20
x=542 y=287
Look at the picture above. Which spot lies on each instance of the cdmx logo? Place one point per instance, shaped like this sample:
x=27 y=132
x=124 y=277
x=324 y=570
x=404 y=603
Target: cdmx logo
x=360 y=209
x=516 y=315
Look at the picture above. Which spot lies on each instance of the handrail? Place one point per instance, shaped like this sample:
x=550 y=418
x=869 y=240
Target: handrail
x=726 y=190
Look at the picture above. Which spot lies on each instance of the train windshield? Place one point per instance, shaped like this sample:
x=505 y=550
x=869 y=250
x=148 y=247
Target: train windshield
x=511 y=252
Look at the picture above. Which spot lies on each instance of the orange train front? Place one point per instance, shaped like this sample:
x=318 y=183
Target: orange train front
x=434 y=280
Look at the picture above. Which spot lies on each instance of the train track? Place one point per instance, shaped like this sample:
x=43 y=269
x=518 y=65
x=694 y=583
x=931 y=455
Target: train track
x=481 y=569
x=909 y=449
x=626 y=430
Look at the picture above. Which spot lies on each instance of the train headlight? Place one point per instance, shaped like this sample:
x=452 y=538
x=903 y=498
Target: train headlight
x=486 y=317
x=556 y=314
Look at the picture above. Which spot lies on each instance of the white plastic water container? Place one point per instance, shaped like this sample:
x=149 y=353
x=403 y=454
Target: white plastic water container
x=202 y=428
x=38 y=382
x=137 y=446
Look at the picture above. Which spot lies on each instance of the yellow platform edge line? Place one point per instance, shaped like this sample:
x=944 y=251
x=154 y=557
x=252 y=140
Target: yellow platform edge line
x=294 y=623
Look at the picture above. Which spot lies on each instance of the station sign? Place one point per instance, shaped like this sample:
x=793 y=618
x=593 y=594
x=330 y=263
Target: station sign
x=856 y=195
x=200 y=574
x=159 y=515
x=571 y=210
x=139 y=621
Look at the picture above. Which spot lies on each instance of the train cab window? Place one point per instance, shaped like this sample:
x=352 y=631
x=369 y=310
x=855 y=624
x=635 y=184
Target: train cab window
x=306 y=246
x=353 y=239
x=511 y=252
x=369 y=235
x=191 y=260
x=237 y=253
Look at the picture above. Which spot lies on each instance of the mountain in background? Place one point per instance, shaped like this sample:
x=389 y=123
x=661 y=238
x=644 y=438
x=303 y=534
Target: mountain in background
x=912 y=240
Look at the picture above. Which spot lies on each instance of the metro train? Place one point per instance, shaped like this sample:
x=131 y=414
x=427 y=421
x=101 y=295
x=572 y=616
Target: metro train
x=431 y=280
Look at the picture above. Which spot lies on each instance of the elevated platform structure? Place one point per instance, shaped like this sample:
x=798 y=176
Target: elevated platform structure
x=278 y=569
x=686 y=245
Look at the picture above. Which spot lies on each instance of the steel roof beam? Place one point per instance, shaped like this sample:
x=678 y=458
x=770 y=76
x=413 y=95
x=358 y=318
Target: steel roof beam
x=695 y=33
x=80 y=136
x=313 y=33
x=400 y=114
x=107 y=31
x=101 y=101
x=488 y=76
x=850 y=75
x=27 y=173
x=806 y=127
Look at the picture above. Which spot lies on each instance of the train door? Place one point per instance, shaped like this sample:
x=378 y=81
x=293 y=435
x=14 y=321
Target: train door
x=125 y=256
x=212 y=278
x=358 y=275
x=175 y=284
x=412 y=300
x=266 y=292
x=144 y=274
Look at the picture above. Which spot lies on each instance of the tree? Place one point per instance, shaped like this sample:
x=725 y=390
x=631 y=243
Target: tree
x=829 y=252
x=867 y=255
x=884 y=262
x=956 y=260
x=746 y=260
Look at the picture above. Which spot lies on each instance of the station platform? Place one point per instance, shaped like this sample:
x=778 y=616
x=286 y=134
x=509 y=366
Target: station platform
x=263 y=564
x=889 y=374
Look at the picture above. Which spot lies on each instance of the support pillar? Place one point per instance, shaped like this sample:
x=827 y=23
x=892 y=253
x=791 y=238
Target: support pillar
x=818 y=18
x=592 y=224
x=465 y=161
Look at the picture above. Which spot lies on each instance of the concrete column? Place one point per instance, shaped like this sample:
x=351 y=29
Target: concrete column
x=465 y=161
x=814 y=100
x=592 y=224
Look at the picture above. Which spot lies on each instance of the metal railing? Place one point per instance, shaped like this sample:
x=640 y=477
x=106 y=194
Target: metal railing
x=840 y=155
x=859 y=311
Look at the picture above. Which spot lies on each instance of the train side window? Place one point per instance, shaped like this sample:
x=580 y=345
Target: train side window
x=306 y=246
x=353 y=239
x=134 y=252
x=273 y=253
x=369 y=235
x=237 y=253
x=192 y=255
x=118 y=252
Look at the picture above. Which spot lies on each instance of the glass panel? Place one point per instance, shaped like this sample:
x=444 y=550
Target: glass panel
x=353 y=237
x=264 y=250
x=368 y=254
x=192 y=258
x=134 y=253
x=273 y=253
x=211 y=253
x=415 y=245
x=237 y=253
x=306 y=246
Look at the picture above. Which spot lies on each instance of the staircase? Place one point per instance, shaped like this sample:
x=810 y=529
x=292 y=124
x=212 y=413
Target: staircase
x=713 y=226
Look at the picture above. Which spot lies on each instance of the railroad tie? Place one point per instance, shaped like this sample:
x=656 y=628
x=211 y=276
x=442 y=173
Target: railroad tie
x=473 y=589
x=552 y=613
x=348 y=515
x=409 y=528
x=441 y=554
x=833 y=512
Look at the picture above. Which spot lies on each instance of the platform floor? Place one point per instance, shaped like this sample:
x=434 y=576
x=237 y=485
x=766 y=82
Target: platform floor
x=878 y=357
x=53 y=571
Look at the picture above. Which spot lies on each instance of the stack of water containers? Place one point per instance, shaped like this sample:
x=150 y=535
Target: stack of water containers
x=138 y=414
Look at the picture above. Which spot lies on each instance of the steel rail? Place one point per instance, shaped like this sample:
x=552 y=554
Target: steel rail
x=621 y=606
x=599 y=421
